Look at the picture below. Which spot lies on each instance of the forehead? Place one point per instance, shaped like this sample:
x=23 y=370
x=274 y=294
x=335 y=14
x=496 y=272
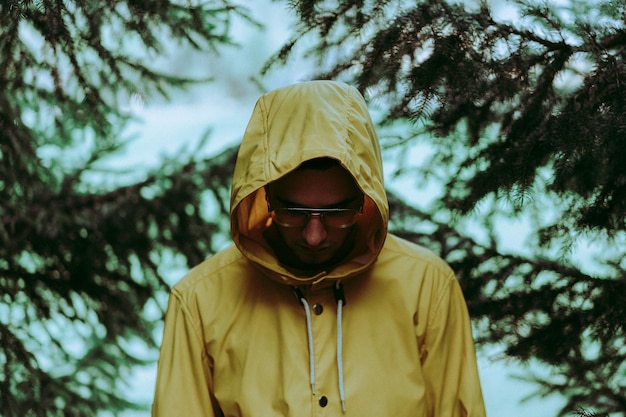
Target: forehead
x=316 y=187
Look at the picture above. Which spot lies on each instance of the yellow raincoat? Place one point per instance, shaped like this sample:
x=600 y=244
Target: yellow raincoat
x=395 y=342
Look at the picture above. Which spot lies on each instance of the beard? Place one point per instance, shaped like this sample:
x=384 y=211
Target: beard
x=307 y=263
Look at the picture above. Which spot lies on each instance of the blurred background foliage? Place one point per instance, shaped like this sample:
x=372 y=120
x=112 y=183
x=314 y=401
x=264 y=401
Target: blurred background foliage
x=523 y=120
x=80 y=260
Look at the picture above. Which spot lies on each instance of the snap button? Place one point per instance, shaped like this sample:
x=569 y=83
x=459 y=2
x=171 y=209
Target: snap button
x=318 y=309
x=323 y=401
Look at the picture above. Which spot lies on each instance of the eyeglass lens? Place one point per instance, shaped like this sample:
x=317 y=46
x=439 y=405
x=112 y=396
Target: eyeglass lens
x=299 y=217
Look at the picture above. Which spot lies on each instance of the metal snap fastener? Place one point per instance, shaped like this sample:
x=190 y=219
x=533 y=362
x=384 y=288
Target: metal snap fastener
x=323 y=401
x=318 y=309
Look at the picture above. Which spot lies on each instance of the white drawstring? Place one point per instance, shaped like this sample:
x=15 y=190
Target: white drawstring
x=341 y=301
x=309 y=331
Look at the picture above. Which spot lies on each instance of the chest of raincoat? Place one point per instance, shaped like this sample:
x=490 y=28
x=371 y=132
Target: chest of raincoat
x=237 y=343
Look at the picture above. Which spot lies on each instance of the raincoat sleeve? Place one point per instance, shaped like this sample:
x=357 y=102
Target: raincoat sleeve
x=449 y=363
x=184 y=382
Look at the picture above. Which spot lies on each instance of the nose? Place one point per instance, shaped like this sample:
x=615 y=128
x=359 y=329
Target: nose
x=314 y=232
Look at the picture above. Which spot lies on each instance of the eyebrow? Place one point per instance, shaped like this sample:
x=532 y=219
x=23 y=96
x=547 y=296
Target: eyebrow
x=288 y=203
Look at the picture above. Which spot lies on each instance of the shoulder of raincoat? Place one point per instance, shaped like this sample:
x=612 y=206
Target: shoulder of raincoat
x=385 y=333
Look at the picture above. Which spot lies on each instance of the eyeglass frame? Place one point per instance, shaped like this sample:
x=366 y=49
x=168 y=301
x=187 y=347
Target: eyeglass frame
x=319 y=212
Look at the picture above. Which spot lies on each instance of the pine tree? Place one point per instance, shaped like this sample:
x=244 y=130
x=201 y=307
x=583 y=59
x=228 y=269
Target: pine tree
x=527 y=120
x=80 y=260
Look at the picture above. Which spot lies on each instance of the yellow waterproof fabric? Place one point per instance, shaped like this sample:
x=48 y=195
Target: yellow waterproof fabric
x=235 y=340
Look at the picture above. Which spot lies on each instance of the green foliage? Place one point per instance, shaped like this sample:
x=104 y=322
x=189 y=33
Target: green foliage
x=551 y=89
x=81 y=262
x=581 y=412
x=526 y=118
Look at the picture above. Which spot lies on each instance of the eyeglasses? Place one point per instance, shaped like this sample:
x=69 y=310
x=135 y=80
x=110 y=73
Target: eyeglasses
x=299 y=217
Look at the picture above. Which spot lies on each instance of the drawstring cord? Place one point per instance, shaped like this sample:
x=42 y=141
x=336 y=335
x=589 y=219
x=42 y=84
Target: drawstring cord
x=341 y=302
x=309 y=331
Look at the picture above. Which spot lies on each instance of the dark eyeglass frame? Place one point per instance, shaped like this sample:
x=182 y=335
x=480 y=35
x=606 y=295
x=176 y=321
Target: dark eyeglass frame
x=319 y=212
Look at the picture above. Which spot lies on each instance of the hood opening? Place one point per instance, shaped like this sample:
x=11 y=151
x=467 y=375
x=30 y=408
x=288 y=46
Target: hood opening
x=251 y=220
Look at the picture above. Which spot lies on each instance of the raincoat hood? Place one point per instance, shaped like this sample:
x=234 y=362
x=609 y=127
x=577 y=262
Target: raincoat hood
x=289 y=126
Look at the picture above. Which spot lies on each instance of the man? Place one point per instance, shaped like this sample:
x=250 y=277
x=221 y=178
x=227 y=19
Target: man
x=316 y=310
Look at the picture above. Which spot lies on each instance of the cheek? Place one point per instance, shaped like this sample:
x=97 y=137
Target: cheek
x=290 y=234
x=337 y=235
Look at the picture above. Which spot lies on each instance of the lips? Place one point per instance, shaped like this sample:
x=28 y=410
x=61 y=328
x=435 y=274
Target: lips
x=314 y=249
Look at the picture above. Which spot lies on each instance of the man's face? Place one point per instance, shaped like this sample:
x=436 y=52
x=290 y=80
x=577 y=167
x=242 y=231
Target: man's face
x=314 y=246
